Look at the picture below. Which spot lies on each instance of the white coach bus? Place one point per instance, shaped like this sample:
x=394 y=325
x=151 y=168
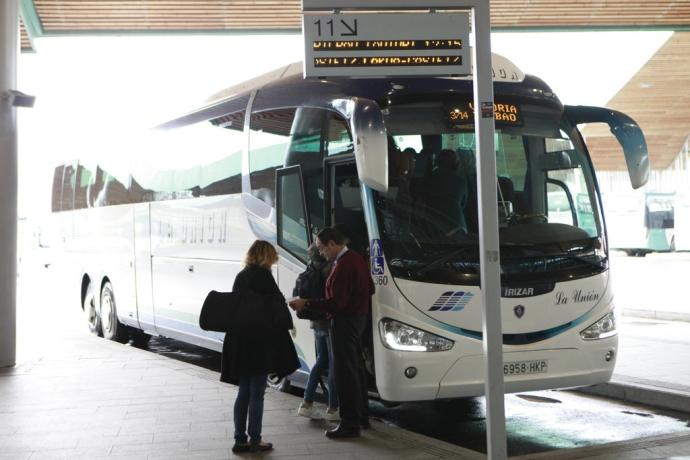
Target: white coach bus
x=392 y=162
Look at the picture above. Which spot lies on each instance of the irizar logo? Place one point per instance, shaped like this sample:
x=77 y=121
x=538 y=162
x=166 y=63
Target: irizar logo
x=519 y=310
x=517 y=292
x=452 y=301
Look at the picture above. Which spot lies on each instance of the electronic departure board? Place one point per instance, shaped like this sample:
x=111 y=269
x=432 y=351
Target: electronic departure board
x=504 y=113
x=386 y=44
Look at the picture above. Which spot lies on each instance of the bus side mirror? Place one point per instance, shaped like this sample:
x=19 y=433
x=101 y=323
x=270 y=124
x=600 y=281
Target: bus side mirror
x=627 y=132
x=370 y=141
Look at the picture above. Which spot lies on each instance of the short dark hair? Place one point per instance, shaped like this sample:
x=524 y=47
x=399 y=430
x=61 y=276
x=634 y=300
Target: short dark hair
x=331 y=234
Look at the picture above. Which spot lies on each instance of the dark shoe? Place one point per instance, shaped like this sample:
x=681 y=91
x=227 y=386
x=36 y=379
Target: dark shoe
x=341 y=431
x=261 y=447
x=240 y=447
x=364 y=424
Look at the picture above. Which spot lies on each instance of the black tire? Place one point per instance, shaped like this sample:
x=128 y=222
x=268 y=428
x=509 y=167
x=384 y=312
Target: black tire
x=282 y=385
x=112 y=328
x=93 y=318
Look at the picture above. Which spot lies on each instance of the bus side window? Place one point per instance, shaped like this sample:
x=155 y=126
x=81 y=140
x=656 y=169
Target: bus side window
x=84 y=180
x=69 y=181
x=339 y=139
x=195 y=160
x=306 y=149
x=269 y=138
x=57 y=188
x=95 y=188
x=114 y=192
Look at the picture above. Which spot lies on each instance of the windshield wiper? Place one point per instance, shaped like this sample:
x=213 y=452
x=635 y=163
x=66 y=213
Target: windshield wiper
x=446 y=257
x=561 y=255
x=579 y=258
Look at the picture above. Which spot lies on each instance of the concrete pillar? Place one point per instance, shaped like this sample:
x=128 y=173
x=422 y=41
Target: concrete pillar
x=9 y=48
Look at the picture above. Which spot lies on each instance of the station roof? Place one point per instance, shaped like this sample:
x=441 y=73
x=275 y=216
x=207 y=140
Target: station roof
x=655 y=97
x=56 y=17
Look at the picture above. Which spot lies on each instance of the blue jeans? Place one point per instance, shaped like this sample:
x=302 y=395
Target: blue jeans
x=250 y=401
x=324 y=360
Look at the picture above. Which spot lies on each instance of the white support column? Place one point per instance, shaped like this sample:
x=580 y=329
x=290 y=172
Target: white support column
x=9 y=47
x=488 y=231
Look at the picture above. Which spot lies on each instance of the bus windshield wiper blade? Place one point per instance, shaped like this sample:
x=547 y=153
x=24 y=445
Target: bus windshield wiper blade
x=562 y=255
x=580 y=259
x=446 y=257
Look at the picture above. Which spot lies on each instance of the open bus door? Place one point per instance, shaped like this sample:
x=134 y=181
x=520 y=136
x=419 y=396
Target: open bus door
x=344 y=201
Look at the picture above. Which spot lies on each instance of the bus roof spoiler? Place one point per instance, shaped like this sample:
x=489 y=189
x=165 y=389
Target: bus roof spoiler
x=627 y=132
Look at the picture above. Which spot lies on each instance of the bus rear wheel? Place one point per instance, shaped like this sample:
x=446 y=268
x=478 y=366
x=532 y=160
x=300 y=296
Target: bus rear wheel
x=112 y=328
x=93 y=319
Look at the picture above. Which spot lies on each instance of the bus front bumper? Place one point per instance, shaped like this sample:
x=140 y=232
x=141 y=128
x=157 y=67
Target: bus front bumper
x=532 y=370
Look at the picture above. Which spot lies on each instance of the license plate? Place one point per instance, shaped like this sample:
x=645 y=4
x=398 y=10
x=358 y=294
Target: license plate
x=526 y=367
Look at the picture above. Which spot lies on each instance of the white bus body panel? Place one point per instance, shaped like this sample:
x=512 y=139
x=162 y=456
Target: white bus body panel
x=197 y=245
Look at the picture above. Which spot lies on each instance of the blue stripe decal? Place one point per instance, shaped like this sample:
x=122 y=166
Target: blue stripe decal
x=515 y=339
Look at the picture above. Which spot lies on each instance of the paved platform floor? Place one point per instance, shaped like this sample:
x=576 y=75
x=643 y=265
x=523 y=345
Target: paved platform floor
x=89 y=398
x=73 y=395
x=79 y=396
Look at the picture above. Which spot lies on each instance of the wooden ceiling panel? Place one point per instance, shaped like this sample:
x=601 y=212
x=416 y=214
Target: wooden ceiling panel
x=143 y=15
x=25 y=41
x=159 y=15
x=657 y=98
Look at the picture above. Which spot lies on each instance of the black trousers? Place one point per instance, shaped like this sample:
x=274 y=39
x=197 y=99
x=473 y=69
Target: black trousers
x=350 y=373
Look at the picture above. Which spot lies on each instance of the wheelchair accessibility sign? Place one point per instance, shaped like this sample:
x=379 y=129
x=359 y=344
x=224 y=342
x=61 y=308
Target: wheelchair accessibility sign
x=378 y=270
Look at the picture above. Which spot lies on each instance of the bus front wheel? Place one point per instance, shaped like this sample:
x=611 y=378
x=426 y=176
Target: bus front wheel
x=112 y=328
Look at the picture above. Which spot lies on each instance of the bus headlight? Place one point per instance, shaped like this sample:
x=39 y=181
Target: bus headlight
x=402 y=337
x=605 y=327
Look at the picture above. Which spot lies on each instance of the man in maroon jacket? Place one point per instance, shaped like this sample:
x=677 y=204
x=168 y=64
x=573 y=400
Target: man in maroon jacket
x=348 y=296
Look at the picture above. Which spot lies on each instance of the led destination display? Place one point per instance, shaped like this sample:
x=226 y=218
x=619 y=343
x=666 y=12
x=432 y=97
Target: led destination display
x=386 y=45
x=504 y=113
x=381 y=61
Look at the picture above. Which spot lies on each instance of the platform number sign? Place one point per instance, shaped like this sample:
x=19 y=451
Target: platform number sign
x=386 y=44
x=378 y=269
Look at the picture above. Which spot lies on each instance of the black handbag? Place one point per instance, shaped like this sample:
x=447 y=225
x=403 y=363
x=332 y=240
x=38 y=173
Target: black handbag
x=217 y=311
x=225 y=311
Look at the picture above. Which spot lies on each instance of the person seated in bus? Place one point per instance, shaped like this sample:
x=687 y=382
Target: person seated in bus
x=311 y=284
x=249 y=356
x=447 y=195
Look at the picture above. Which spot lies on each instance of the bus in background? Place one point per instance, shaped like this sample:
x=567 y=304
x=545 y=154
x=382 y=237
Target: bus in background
x=392 y=163
x=642 y=222
x=681 y=220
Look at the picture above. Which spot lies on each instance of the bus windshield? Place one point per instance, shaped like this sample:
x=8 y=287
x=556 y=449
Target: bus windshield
x=550 y=225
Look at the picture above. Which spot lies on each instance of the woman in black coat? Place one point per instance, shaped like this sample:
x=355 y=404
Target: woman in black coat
x=250 y=354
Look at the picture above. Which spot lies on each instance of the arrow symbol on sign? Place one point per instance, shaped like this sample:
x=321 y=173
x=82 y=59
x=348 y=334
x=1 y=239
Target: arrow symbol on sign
x=352 y=31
